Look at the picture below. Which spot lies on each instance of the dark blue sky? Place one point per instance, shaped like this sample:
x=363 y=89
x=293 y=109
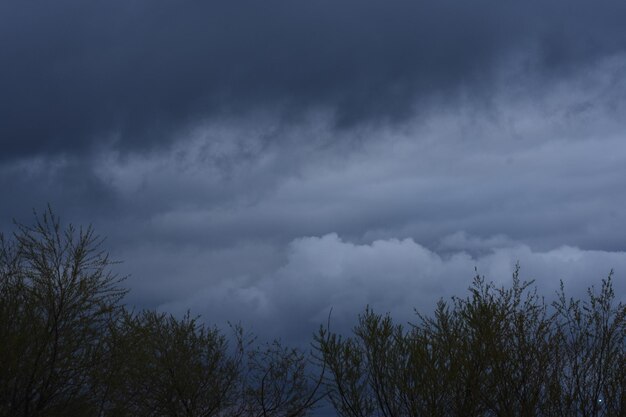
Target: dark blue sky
x=265 y=161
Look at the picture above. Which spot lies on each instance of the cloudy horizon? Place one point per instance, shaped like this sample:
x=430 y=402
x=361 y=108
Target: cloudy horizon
x=266 y=163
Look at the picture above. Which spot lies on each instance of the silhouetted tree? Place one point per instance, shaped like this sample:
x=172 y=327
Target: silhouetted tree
x=589 y=355
x=498 y=352
x=58 y=298
x=69 y=347
x=163 y=366
x=280 y=382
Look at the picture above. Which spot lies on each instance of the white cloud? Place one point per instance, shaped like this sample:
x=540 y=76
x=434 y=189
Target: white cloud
x=390 y=275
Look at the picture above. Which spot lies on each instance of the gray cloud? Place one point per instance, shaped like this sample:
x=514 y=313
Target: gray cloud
x=541 y=164
x=265 y=165
x=296 y=226
x=134 y=75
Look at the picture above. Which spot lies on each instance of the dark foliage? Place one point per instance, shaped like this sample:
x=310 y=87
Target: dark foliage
x=68 y=346
x=498 y=352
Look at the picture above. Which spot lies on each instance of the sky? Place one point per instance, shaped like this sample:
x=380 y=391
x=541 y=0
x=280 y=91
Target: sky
x=266 y=162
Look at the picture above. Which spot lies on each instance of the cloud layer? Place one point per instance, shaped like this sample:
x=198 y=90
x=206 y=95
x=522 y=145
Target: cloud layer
x=135 y=75
x=265 y=163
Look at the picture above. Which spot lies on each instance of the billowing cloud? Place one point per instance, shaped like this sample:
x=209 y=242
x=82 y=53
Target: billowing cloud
x=397 y=276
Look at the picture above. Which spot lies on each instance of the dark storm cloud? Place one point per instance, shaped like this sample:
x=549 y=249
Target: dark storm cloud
x=79 y=75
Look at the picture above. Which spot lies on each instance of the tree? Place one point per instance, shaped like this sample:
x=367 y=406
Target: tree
x=498 y=352
x=58 y=298
x=68 y=346
x=163 y=366
x=590 y=354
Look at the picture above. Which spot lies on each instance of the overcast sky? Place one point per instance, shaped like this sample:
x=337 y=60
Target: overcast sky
x=264 y=161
